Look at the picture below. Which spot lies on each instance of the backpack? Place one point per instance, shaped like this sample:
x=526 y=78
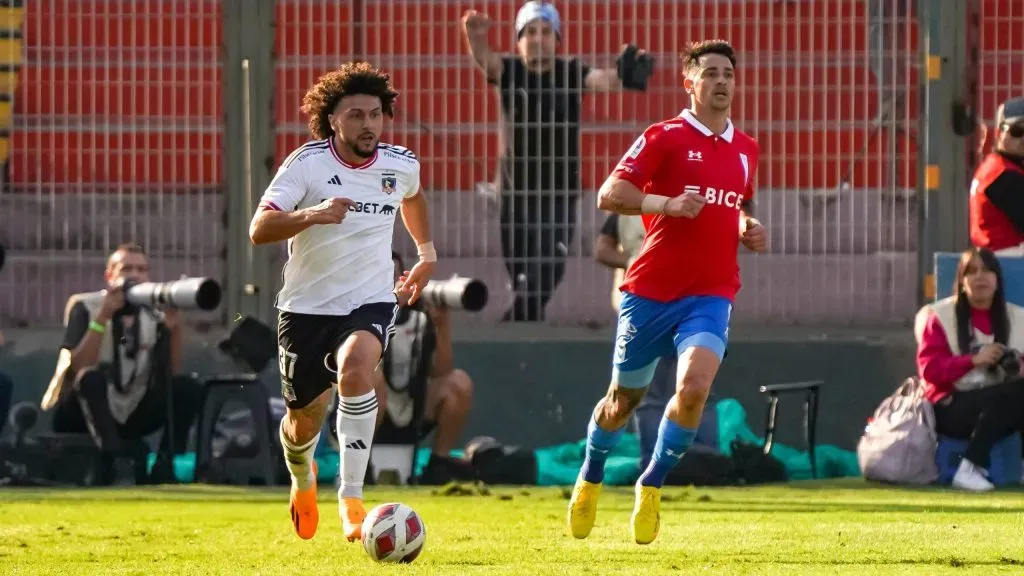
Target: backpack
x=898 y=446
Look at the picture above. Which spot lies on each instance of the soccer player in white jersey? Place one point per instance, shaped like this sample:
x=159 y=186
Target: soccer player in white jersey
x=334 y=200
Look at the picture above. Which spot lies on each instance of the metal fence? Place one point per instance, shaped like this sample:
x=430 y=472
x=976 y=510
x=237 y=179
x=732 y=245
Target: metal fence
x=117 y=134
x=828 y=88
x=115 y=137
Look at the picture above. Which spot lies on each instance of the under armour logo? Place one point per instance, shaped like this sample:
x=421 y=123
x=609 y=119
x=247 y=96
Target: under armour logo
x=357 y=445
x=335 y=180
x=695 y=155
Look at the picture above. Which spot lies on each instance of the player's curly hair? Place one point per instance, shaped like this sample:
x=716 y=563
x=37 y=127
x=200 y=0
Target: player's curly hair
x=350 y=79
x=694 y=50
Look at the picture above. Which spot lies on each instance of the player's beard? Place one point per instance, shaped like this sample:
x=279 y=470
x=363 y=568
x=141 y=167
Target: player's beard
x=362 y=148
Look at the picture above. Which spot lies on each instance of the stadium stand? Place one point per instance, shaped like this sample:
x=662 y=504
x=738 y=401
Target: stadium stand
x=12 y=17
x=132 y=92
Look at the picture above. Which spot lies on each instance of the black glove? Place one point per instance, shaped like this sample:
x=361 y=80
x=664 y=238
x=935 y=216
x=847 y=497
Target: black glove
x=634 y=67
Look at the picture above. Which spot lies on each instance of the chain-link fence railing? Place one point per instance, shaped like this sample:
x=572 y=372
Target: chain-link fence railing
x=828 y=88
x=113 y=136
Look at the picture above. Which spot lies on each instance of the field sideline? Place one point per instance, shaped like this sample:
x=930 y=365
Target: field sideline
x=845 y=527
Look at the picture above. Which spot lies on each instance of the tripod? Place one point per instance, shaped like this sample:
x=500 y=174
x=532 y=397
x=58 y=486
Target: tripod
x=162 y=375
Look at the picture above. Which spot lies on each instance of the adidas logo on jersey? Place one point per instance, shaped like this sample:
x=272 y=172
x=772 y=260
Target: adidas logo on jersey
x=335 y=180
x=357 y=445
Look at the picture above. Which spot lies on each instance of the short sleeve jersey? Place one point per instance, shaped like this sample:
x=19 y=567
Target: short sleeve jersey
x=683 y=257
x=334 y=269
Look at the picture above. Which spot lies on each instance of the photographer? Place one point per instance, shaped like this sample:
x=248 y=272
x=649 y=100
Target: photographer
x=541 y=102
x=419 y=389
x=997 y=191
x=106 y=382
x=969 y=358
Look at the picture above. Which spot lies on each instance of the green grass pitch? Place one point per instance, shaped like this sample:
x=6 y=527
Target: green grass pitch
x=803 y=528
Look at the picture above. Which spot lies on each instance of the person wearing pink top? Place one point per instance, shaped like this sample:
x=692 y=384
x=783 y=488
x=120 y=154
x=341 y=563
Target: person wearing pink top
x=968 y=357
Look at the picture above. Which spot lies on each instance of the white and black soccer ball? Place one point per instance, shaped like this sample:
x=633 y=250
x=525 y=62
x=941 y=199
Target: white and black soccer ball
x=393 y=532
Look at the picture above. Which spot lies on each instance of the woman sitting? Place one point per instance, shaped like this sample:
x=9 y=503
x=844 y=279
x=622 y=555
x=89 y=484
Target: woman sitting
x=968 y=357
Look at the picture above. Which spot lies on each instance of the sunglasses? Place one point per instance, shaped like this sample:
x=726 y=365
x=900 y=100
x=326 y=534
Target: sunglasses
x=1016 y=131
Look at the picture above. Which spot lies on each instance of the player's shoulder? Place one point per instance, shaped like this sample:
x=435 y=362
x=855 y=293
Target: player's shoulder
x=741 y=138
x=303 y=154
x=666 y=130
x=397 y=156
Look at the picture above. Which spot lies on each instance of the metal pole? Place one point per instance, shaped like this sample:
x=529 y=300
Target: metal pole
x=251 y=287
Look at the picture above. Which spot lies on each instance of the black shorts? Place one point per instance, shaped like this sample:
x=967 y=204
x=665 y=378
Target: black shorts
x=307 y=343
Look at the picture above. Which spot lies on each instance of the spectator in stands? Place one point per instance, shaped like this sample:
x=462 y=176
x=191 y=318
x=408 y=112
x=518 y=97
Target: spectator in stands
x=966 y=347
x=997 y=191
x=541 y=101
x=105 y=383
x=616 y=246
x=419 y=389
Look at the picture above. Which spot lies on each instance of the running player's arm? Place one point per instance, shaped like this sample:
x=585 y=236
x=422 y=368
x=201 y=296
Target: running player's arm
x=277 y=217
x=622 y=192
x=747 y=205
x=414 y=216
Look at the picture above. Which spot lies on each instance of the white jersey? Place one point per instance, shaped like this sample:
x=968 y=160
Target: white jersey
x=335 y=268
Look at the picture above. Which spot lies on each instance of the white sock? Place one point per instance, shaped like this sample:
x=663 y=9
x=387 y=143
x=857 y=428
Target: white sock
x=357 y=418
x=299 y=460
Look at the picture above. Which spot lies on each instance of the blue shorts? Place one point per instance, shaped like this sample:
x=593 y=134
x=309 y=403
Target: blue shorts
x=649 y=329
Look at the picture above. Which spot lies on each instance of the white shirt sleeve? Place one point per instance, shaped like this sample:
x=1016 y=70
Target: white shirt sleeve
x=414 y=183
x=286 y=190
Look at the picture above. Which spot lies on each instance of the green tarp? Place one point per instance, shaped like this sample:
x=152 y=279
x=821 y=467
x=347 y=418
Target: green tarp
x=558 y=465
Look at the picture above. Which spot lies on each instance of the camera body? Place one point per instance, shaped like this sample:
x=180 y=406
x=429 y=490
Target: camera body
x=1010 y=362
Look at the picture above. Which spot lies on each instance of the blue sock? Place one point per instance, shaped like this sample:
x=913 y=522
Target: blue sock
x=599 y=443
x=673 y=440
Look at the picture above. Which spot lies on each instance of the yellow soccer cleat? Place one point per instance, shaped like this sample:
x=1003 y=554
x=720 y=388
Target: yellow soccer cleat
x=583 y=507
x=646 y=518
x=352 y=516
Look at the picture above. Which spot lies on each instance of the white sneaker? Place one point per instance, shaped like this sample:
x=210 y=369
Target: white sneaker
x=971 y=477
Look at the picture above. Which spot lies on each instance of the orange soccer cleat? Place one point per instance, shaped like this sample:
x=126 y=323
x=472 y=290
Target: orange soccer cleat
x=302 y=505
x=352 y=516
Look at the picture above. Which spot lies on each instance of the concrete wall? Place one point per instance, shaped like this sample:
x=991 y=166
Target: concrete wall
x=537 y=391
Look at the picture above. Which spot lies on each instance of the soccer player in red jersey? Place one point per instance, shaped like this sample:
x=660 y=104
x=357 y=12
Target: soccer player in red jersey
x=691 y=178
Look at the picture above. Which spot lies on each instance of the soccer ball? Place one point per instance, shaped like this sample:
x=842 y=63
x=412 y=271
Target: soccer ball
x=393 y=533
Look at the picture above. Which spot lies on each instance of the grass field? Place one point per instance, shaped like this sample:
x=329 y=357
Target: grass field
x=802 y=528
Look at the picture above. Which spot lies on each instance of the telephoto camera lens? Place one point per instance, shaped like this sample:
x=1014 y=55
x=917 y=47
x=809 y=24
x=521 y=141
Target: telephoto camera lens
x=457 y=293
x=186 y=294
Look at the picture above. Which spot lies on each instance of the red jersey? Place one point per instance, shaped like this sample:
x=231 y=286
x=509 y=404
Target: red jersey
x=681 y=256
x=990 y=226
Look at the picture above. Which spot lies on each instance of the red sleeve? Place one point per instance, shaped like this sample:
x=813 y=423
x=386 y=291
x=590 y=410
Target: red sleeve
x=643 y=160
x=936 y=363
x=751 y=190
x=751 y=161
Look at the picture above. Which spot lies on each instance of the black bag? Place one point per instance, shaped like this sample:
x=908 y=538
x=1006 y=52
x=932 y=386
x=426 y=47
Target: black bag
x=752 y=466
x=496 y=464
x=702 y=466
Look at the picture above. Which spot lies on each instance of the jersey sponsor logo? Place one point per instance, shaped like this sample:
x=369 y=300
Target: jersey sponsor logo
x=309 y=153
x=388 y=183
x=372 y=208
x=716 y=197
